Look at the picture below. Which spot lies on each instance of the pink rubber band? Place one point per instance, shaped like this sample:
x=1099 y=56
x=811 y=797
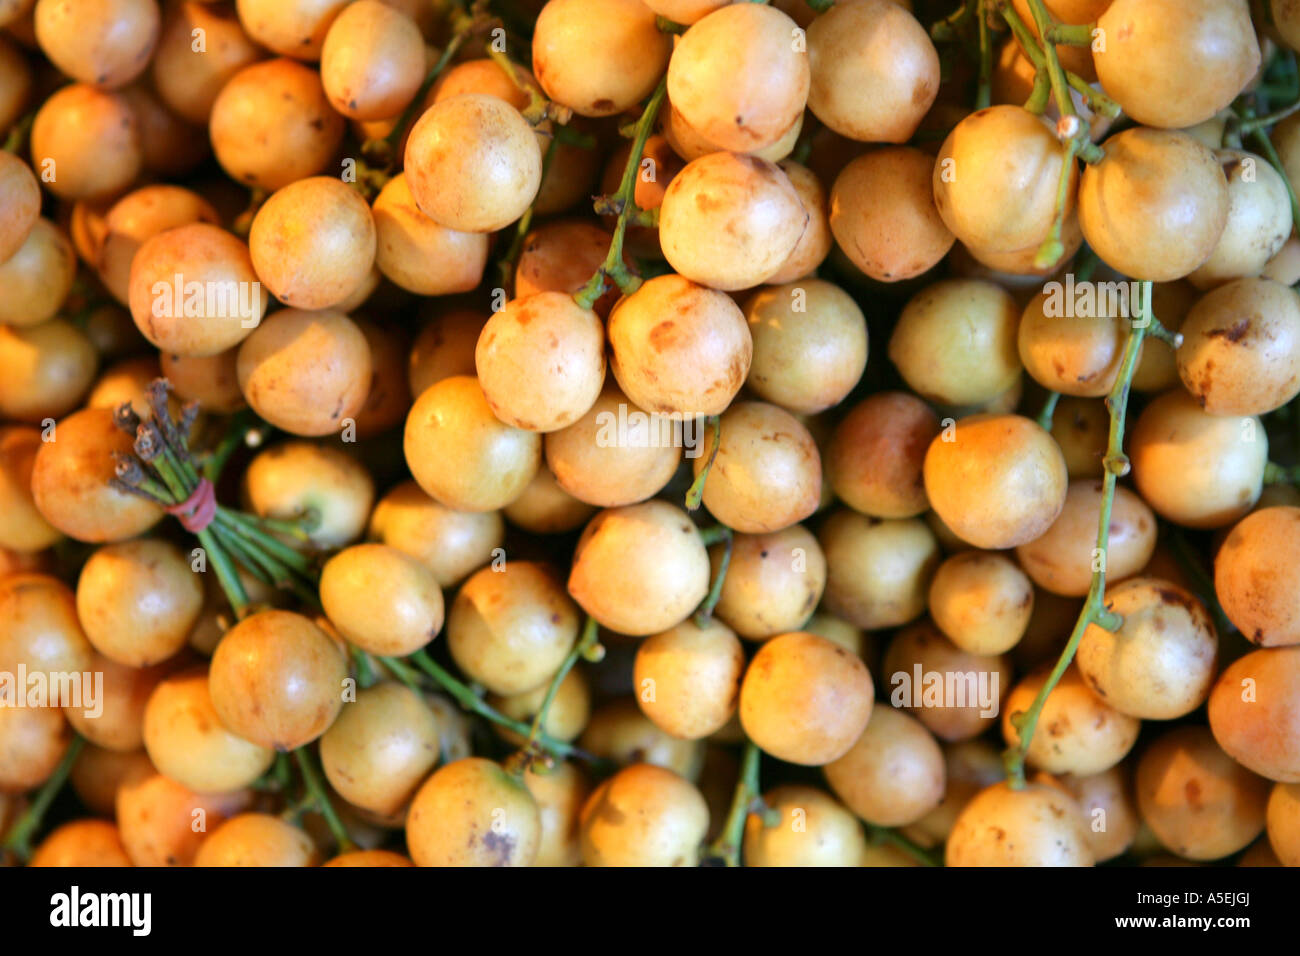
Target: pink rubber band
x=197 y=511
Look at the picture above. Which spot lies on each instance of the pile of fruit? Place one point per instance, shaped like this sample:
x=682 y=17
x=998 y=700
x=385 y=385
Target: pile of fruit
x=649 y=432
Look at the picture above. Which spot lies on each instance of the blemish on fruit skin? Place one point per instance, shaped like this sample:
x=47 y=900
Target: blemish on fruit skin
x=1169 y=596
x=1234 y=333
x=501 y=846
x=661 y=336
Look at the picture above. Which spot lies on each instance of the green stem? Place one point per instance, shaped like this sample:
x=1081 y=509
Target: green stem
x=20 y=834
x=727 y=846
x=475 y=704
x=538 y=105
x=945 y=30
x=1157 y=330
x=1275 y=474
x=17 y=137
x=1049 y=411
x=280 y=771
x=695 y=494
x=506 y=265
x=1070 y=34
x=705 y=613
x=236 y=434
x=1094 y=608
x=320 y=799
x=1266 y=147
x=1053 y=248
x=1085 y=264
x=715 y=535
x=894 y=838
x=244 y=221
x=227 y=575
x=1060 y=88
x=365 y=670
x=386 y=148
x=153 y=489
x=403 y=673
x=984 y=93
x=299 y=529
x=614 y=267
x=253 y=562
x=648 y=218
x=1201 y=580
x=169 y=472
x=585 y=647
x=239 y=523
x=1259 y=122
x=275 y=780
x=266 y=569
x=1098 y=102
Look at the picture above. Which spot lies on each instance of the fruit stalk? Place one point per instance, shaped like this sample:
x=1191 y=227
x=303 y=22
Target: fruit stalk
x=242 y=430
x=896 y=839
x=475 y=704
x=1040 y=95
x=506 y=265
x=614 y=267
x=695 y=493
x=588 y=648
x=164 y=470
x=1261 y=139
x=539 y=108
x=18 y=841
x=984 y=93
x=1069 y=34
x=941 y=31
x=16 y=138
x=1053 y=249
x=462 y=26
x=1049 y=411
x=1094 y=608
x=1098 y=102
x=724 y=535
x=320 y=800
x=726 y=847
x=1203 y=584
x=1275 y=474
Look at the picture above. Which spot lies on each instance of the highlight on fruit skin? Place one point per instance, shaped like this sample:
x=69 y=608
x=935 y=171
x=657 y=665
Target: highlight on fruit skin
x=649 y=433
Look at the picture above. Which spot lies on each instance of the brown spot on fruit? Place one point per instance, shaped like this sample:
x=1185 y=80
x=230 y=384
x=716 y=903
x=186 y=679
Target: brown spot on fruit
x=1234 y=333
x=1169 y=596
x=501 y=846
x=662 y=335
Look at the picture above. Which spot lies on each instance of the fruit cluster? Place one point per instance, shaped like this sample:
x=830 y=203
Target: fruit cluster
x=537 y=497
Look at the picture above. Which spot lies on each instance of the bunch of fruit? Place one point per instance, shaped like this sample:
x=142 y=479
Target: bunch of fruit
x=446 y=433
